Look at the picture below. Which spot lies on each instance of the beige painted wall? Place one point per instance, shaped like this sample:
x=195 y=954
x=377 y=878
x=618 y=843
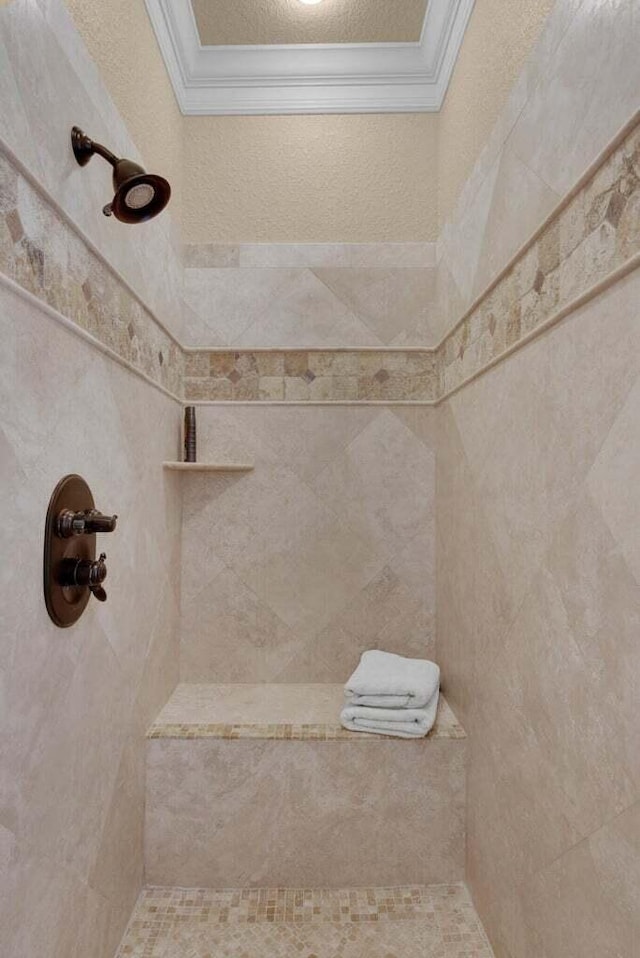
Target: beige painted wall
x=368 y=178
x=120 y=38
x=310 y=178
x=500 y=36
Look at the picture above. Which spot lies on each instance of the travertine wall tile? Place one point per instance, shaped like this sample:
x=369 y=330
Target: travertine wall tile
x=552 y=127
x=42 y=253
x=324 y=550
x=77 y=702
x=313 y=375
x=254 y=812
x=310 y=295
x=538 y=598
x=597 y=232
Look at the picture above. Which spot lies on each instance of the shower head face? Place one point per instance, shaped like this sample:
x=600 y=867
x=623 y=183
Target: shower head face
x=139 y=197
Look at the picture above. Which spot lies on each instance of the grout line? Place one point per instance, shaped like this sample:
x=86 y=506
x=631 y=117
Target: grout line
x=581 y=841
x=311 y=402
x=310 y=349
x=356 y=315
x=82 y=334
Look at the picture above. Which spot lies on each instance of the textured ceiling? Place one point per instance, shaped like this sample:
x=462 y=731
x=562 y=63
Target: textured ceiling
x=289 y=21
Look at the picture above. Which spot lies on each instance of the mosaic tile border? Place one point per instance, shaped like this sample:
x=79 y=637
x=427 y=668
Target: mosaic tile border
x=193 y=917
x=593 y=233
x=44 y=255
x=446 y=727
x=281 y=732
x=312 y=375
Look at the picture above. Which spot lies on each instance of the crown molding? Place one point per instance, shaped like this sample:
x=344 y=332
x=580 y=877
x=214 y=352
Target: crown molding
x=309 y=78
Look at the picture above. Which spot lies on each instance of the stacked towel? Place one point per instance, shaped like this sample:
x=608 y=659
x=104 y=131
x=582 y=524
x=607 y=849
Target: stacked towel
x=392 y=695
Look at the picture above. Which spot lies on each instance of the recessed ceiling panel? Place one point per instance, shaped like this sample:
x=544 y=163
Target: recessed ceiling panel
x=265 y=22
x=261 y=57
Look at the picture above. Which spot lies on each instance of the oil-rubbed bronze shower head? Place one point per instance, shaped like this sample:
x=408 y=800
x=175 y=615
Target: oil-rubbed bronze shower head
x=139 y=195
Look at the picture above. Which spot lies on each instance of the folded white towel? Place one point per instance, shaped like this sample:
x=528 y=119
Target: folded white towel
x=385 y=680
x=405 y=723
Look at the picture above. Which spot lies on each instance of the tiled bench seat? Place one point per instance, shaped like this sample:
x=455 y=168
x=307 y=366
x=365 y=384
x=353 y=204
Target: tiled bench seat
x=294 y=712
x=251 y=785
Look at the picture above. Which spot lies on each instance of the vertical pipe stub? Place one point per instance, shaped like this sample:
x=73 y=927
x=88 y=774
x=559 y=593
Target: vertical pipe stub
x=190 y=434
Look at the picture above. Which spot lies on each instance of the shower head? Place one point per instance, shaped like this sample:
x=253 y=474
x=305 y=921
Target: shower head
x=139 y=195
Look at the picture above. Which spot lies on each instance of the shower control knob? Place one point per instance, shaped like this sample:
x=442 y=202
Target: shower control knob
x=86 y=572
x=84 y=523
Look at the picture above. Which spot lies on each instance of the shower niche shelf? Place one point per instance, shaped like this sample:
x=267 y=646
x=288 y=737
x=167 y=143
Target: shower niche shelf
x=209 y=466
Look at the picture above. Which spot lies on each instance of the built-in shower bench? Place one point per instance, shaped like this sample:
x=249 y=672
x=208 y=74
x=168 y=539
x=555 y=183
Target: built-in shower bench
x=260 y=785
x=285 y=712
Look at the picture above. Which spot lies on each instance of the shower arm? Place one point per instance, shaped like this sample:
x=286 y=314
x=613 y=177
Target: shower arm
x=84 y=148
x=104 y=152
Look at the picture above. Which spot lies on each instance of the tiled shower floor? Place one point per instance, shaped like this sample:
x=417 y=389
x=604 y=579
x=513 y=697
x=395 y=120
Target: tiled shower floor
x=436 y=921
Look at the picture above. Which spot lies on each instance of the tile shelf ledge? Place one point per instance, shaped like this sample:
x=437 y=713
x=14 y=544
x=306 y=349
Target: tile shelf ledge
x=302 y=712
x=209 y=466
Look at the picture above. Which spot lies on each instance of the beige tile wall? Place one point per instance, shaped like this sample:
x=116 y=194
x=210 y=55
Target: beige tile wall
x=330 y=541
x=76 y=702
x=558 y=118
x=331 y=294
x=223 y=813
x=43 y=254
x=538 y=615
x=324 y=550
x=593 y=235
x=538 y=578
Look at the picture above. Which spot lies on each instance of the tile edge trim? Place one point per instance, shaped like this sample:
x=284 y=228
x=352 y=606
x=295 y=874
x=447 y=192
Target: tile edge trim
x=83 y=334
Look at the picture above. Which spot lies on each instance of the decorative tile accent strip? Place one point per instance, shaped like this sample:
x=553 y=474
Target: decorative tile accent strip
x=312 y=375
x=447 y=726
x=43 y=254
x=593 y=234
x=307 y=733
x=438 y=920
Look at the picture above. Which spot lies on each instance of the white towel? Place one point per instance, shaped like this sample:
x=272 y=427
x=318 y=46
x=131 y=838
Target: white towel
x=405 y=723
x=385 y=680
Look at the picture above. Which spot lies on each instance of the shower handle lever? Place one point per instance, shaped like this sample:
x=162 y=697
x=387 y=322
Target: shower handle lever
x=84 y=523
x=86 y=572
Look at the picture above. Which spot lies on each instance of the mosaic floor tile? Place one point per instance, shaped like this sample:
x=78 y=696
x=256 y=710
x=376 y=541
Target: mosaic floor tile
x=436 y=921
